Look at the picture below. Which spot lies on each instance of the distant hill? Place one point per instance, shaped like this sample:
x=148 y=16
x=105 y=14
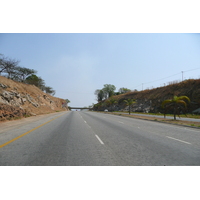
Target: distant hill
x=150 y=100
x=21 y=100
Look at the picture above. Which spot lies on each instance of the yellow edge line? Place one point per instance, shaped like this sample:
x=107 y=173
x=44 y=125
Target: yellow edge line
x=3 y=145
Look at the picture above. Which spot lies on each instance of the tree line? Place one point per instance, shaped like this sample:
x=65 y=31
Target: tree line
x=10 y=69
x=108 y=91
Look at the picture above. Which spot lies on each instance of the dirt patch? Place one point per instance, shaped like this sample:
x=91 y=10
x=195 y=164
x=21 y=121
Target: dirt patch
x=9 y=112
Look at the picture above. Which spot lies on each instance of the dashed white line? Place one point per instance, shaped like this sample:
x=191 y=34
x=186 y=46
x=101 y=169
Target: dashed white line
x=178 y=140
x=99 y=139
x=121 y=122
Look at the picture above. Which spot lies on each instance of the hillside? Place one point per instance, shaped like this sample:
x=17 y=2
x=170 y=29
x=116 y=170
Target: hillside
x=20 y=100
x=150 y=100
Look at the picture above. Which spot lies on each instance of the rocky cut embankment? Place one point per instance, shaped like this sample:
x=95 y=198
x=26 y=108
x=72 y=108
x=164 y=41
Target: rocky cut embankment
x=21 y=100
x=150 y=100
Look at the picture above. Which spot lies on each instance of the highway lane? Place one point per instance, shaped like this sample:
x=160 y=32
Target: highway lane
x=141 y=142
x=97 y=139
x=67 y=140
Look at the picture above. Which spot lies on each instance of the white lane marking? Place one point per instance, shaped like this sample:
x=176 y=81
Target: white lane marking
x=99 y=139
x=121 y=122
x=85 y=121
x=178 y=140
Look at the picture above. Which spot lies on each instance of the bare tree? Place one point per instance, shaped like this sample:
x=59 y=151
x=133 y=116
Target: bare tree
x=2 y=64
x=49 y=90
x=9 y=67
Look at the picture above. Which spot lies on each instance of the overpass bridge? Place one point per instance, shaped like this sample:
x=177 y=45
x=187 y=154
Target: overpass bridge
x=78 y=108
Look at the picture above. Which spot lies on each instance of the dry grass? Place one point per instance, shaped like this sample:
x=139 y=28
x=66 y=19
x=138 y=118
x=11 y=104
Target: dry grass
x=46 y=105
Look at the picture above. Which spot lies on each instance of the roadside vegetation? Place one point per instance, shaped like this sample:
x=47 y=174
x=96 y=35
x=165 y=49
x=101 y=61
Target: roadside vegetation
x=108 y=91
x=177 y=104
x=11 y=69
x=128 y=103
x=176 y=98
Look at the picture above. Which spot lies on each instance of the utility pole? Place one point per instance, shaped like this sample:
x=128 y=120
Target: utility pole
x=182 y=75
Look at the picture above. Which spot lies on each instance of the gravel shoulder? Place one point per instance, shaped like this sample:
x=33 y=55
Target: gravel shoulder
x=163 y=120
x=8 y=125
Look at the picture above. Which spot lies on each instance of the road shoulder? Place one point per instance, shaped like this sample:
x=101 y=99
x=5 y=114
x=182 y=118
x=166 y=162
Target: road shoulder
x=8 y=125
x=161 y=120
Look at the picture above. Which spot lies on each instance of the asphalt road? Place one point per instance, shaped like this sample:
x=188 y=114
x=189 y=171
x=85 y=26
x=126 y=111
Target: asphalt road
x=97 y=139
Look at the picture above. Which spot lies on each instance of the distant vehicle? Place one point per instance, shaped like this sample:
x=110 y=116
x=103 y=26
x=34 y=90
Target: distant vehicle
x=105 y=110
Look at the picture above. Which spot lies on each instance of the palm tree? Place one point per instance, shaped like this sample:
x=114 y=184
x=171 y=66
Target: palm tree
x=129 y=102
x=177 y=104
x=111 y=102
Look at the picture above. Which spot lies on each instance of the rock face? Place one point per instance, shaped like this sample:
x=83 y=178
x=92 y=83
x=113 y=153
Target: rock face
x=10 y=112
x=18 y=100
x=150 y=100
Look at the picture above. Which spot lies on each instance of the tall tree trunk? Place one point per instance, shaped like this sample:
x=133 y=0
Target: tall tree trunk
x=175 y=110
x=174 y=116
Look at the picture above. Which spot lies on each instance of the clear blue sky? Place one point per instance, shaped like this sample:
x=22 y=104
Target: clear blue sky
x=75 y=65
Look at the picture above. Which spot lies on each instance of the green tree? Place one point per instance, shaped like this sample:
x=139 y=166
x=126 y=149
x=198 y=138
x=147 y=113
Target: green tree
x=49 y=90
x=67 y=100
x=124 y=90
x=37 y=81
x=177 y=104
x=109 y=90
x=98 y=106
x=128 y=103
x=100 y=95
x=23 y=72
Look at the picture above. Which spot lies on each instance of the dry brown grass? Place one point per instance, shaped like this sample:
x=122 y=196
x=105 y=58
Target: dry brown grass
x=48 y=104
